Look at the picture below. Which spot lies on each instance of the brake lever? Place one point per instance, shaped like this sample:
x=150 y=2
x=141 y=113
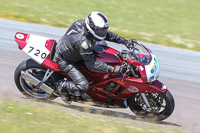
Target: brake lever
x=133 y=45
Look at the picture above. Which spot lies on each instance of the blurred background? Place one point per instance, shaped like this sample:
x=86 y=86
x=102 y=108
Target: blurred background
x=171 y=22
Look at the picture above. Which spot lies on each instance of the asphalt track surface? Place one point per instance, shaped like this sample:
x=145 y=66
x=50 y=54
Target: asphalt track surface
x=179 y=71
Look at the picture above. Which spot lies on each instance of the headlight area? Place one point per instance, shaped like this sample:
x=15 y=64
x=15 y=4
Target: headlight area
x=152 y=78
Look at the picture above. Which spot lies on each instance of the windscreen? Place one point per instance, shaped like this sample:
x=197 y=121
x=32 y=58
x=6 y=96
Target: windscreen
x=139 y=53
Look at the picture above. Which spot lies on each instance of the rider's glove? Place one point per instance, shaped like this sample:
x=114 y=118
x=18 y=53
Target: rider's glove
x=130 y=43
x=118 y=70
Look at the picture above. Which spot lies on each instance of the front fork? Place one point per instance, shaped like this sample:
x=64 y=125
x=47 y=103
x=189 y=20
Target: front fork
x=145 y=100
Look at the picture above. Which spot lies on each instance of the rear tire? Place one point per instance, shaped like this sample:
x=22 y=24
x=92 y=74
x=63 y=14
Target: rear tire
x=162 y=106
x=27 y=88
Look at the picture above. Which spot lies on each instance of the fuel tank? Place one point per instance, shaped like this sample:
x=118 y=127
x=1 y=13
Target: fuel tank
x=106 y=54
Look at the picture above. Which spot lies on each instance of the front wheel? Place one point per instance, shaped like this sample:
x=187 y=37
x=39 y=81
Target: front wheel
x=162 y=106
x=25 y=87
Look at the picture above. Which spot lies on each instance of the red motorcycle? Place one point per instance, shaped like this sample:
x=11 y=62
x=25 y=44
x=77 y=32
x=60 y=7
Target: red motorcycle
x=138 y=88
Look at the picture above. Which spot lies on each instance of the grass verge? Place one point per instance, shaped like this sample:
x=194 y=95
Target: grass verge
x=16 y=117
x=170 y=22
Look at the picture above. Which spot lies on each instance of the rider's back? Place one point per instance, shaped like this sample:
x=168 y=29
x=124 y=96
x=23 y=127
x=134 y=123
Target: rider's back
x=69 y=44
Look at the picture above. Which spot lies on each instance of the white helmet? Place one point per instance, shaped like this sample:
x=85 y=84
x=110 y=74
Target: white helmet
x=97 y=24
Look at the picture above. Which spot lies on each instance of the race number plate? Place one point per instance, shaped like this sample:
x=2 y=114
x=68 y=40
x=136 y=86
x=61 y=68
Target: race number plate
x=36 y=48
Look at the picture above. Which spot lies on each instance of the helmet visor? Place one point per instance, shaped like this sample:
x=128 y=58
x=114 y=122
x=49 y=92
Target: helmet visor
x=101 y=31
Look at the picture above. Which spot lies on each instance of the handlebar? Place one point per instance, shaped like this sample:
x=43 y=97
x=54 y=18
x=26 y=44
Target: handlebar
x=133 y=44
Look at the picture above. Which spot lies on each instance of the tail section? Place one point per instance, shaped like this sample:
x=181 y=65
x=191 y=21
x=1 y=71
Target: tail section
x=37 y=47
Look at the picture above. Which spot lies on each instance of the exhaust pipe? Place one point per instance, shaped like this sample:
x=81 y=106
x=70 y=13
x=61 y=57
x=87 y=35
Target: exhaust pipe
x=33 y=80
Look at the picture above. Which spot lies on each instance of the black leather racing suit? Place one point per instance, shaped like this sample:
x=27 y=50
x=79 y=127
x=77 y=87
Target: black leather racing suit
x=76 y=45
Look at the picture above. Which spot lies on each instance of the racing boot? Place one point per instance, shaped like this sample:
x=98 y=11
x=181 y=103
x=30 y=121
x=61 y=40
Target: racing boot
x=67 y=89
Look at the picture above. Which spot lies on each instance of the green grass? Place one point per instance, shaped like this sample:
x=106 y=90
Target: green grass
x=16 y=117
x=169 y=22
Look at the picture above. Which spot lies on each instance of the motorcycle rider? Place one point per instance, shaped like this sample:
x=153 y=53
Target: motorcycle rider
x=77 y=44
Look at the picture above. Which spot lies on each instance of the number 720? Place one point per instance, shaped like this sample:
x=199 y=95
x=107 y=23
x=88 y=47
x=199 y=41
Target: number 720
x=37 y=52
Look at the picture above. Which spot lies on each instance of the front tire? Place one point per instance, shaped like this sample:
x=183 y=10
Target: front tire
x=162 y=106
x=27 y=88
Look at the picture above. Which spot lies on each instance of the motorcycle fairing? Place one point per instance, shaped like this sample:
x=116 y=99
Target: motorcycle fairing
x=37 y=47
x=131 y=86
x=156 y=86
x=152 y=69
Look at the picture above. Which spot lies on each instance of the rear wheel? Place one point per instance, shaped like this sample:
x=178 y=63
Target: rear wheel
x=25 y=87
x=162 y=106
